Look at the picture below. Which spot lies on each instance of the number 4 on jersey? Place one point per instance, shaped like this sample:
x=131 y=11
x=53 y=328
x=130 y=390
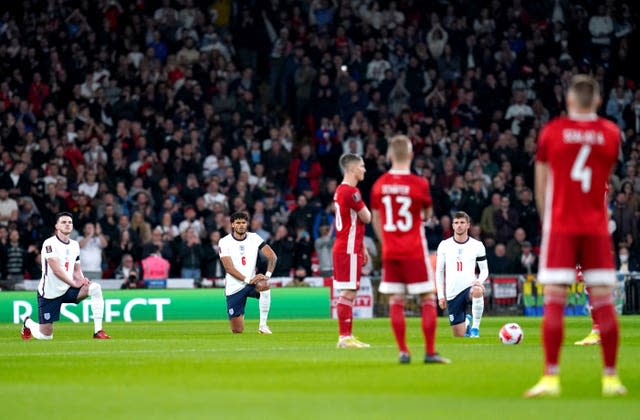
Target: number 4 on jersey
x=580 y=172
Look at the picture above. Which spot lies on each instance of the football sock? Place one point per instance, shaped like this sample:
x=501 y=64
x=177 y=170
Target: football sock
x=609 y=330
x=553 y=329
x=35 y=330
x=344 y=309
x=477 y=308
x=429 y=318
x=97 y=305
x=264 y=303
x=398 y=323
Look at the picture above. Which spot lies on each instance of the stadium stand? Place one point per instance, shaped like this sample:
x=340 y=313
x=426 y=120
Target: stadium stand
x=164 y=116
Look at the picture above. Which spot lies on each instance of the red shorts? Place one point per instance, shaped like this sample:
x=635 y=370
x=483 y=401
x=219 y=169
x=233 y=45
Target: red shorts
x=346 y=271
x=413 y=275
x=561 y=252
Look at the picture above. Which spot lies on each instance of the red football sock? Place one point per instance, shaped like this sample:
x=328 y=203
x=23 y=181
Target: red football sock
x=429 y=318
x=398 y=323
x=609 y=330
x=345 y=316
x=553 y=329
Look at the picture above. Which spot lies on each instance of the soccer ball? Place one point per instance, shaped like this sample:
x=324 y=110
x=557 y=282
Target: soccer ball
x=511 y=334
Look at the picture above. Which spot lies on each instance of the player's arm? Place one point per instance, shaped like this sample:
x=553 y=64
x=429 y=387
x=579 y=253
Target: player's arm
x=427 y=212
x=484 y=269
x=376 y=224
x=541 y=172
x=440 y=266
x=364 y=215
x=60 y=273
x=78 y=276
x=271 y=257
x=227 y=263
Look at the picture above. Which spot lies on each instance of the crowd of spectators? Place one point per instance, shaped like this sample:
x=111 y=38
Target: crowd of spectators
x=153 y=120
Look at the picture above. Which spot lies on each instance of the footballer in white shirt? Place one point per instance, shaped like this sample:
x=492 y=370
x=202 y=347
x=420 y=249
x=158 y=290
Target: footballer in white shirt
x=456 y=280
x=62 y=282
x=239 y=255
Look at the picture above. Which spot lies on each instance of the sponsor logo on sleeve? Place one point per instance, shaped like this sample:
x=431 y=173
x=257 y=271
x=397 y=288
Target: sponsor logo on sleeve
x=356 y=197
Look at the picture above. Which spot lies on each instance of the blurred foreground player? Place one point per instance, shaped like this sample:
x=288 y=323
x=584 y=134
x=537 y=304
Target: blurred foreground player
x=576 y=154
x=62 y=282
x=401 y=201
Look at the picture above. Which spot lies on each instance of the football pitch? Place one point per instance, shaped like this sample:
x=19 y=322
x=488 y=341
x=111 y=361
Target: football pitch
x=197 y=369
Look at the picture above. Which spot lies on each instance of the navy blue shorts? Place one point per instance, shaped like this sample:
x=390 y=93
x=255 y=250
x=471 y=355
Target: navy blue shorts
x=458 y=305
x=237 y=301
x=49 y=309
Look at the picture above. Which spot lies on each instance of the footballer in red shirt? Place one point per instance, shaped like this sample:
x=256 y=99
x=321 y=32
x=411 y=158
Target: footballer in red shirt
x=400 y=202
x=576 y=154
x=349 y=253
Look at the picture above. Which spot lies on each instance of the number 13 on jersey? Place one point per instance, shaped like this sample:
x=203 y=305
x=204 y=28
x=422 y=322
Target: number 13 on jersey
x=403 y=220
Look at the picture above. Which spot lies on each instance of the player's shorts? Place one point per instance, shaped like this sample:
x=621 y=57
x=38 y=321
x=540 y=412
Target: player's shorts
x=458 y=305
x=561 y=252
x=49 y=309
x=237 y=301
x=346 y=271
x=411 y=275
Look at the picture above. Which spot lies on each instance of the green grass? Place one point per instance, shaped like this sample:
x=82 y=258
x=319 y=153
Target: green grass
x=198 y=369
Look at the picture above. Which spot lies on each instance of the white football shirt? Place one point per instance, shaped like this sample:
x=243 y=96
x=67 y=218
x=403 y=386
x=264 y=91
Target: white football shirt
x=456 y=263
x=68 y=255
x=244 y=255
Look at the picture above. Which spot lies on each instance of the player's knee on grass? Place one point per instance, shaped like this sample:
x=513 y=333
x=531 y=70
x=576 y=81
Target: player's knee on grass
x=237 y=325
x=46 y=329
x=459 y=330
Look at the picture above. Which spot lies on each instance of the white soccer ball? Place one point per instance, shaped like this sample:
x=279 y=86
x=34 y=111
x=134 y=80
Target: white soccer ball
x=511 y=334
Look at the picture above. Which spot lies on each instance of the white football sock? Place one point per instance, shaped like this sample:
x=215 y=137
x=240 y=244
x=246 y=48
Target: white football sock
x=477 y=307
x=35 y=330
x=264 y=304
x=97 y=305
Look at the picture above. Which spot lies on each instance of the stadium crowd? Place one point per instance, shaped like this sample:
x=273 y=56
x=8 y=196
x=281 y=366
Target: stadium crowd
x=153 y=120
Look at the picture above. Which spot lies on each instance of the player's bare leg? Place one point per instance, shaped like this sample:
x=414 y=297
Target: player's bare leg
x=477 y=308
x=459 y=330
x=604 y=310
x=345 y=321
x=399 y=326
x=429 y=304
x=237 y=324
x=555 y=297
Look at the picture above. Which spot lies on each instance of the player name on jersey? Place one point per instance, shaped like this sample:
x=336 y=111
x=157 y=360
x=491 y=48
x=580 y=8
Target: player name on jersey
x=571 y=135
x=395 y=189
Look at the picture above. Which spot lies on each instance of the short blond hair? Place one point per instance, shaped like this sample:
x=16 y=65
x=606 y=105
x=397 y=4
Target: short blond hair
x=585 y=89
x=400 y=148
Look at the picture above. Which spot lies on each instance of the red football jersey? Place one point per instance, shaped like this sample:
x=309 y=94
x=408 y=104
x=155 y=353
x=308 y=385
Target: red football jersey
x=580 y=154
x=349 y=228
x=400 y=197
